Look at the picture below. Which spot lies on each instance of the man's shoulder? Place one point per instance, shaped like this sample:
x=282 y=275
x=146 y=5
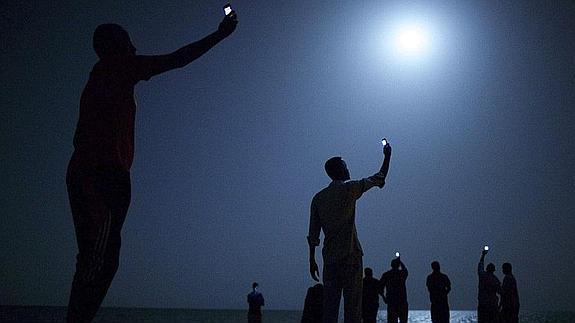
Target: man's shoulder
x=323 y=192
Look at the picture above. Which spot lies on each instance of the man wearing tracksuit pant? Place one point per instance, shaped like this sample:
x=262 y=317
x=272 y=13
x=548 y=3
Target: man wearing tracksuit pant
x=98 y=176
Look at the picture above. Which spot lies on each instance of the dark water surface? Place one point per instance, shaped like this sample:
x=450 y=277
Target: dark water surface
x=116 y=315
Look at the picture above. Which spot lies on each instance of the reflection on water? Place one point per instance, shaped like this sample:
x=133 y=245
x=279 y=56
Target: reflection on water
x=425 y=316
x=17 y=314
x=471 y=316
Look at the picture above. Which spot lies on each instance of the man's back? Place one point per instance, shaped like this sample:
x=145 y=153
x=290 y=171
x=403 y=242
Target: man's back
x=370 y=292
x=333 y=210
x=394 y=283
x=438 y=285
x=313 y=305
x=255 y=301
x=105 y=131
x=489 y=285
x=509 y=294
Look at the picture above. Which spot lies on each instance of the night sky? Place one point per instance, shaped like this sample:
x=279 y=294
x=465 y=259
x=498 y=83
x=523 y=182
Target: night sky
x=230 y=150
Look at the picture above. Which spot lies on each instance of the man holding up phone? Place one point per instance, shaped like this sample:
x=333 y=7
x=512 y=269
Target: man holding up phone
x=98 y=177
x=333 y=211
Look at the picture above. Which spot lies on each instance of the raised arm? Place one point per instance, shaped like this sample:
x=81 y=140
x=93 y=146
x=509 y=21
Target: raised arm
x=148 y=66
x=359 y=187
x=385 y=165
x=313 y=240
x=480 y=265
x=403 y=268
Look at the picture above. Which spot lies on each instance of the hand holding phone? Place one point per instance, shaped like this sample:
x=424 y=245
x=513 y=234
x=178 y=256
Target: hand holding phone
x=228 y=24
x=227 y=9
x=386 y=147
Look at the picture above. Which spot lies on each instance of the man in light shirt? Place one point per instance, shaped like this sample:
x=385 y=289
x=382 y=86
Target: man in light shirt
x=333 y=211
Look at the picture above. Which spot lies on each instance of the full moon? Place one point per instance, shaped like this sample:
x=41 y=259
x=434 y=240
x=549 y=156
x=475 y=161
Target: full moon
x=411 y=40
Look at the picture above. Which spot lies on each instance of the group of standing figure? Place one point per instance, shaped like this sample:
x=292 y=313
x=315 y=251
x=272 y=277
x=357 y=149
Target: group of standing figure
x=333 y=212
x=490 y=308
x=99 y=189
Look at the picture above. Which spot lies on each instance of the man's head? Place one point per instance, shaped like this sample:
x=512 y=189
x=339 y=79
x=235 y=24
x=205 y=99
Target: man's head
x=435 y=266
x=490 y=268
x=395 y=263
x=506 y=268
x=255 y=285
x=368 y=272
x=336 y=169
x=112 y=40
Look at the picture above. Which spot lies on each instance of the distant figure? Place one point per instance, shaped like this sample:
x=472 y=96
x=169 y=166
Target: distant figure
x=489 y=286
x=255 y=301
x=333 y=211
x=98 y=176
x=313 y=305
x=370 y=298
x=394 y=292
x=509 y=296
x=439 y=286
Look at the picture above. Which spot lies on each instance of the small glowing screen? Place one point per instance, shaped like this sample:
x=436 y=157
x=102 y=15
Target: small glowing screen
x=486 y=248
x=397 y=254
x=227 y=10
x=383 y=142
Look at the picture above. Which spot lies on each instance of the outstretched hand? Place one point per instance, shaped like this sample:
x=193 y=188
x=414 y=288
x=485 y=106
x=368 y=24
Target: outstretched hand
x=228 y=24
x=387 y=150
x=314 y=270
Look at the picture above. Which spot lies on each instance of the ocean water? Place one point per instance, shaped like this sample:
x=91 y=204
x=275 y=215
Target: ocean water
x=32 y=314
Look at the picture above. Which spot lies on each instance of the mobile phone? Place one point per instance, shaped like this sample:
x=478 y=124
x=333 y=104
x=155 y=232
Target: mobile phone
x=486 y=248
x=384 y=142
x=227 y=9
x=397 y=254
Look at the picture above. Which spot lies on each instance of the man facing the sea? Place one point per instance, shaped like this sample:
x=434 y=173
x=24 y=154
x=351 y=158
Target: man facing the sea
x=333 y=211
x=489 y=286
x=255 y=301
x=98 y=176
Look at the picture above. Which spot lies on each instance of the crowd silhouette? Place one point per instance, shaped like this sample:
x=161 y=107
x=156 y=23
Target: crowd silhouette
x=99 y=190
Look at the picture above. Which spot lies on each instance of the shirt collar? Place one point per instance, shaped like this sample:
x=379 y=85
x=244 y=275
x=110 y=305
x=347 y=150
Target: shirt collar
x=336 y=182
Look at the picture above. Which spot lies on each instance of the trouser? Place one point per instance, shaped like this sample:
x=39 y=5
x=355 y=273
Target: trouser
x=509 y=315
x=440 y=312
x=369 y=314
x=487 y=314
x=397 y=312
x=254 y=317
x=99 y=200
x=347 y=277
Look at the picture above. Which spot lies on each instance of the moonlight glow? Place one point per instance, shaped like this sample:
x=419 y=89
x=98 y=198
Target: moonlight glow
x=411 y=40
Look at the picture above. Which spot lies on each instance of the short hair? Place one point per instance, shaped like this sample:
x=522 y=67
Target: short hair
x=109 y=39
x=333 y=167
x=435 y=265
x=368 y=272
x=490 y=267
x=506 y=268
x=254 y=285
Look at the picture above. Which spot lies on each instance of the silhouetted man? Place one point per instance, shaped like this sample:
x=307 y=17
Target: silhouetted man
x=333 y=211
x=255 y=301
x=98 y=176
x=313 y=305
x=509 y=296
x=439 y=286
x=394 y=292
x=489 y=286
x=370 y=297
